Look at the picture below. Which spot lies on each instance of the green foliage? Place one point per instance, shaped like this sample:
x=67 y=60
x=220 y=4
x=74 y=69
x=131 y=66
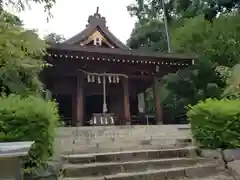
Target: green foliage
x=150 y=35
x=233 y=83
x=180 y=9
x=29 y=119
x=149 y=98
x=216 y=123
x=21 y=53
x=232 y=78
x=21 y=5
x=218 y=42
x=202 y=82
x=54 y=38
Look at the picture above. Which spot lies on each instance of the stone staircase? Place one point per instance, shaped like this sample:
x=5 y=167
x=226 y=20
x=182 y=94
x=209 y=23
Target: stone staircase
x=161 y=152
x=176 y=163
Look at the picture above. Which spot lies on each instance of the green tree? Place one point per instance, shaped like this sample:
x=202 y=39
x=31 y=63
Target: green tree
x=21 y=54
x=54 y=38
x=201 y=80
x=21 y=5
x=218 y=42
x=181 y=9
x=232 y=78
x=21 y=50
x=150 y=35
x=25 y=115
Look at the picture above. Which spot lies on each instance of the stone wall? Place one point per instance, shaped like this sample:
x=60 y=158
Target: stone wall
x=116 y=138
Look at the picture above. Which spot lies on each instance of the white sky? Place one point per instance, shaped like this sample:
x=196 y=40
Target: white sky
x=70 y=17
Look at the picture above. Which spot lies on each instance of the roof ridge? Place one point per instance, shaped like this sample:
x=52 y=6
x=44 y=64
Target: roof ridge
x=95 y=21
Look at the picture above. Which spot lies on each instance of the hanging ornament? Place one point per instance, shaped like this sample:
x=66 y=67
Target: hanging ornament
x=112 y=120
x=106 y=120
x=114 y=79
x=94 y=120
x=91 y=122
x=118 y=79
x=99 y=80
x=88 y=78
x=109 y=79
x=93 y=78
x=101 y=120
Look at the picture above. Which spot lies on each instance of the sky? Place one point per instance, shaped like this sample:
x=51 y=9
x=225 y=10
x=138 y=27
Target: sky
x=70 y=17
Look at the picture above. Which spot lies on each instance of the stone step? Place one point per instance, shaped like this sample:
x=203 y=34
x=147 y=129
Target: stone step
x=100 y=139
x=202 y=170
x=130 y=155
x=103 y=169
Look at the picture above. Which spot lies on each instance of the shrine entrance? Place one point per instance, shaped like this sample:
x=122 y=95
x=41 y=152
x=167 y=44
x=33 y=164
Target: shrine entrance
x=104 y=77
x=101 y=107
x=93 y=104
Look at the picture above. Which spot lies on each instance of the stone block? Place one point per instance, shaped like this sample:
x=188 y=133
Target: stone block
x=210 y=153
x=175 y=173
x=231 y=154
x=234 y=167
x=201 y=170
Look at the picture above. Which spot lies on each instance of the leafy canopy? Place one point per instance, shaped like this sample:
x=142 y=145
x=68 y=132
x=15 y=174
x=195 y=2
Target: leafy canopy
x=54 y=38
x=150 y=35
x=181 y=9
x=218 y=42
x=21 y=54
x=22 y=5
x=232 y=78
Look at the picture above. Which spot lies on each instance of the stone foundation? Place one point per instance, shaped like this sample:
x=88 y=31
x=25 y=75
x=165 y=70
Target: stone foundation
x=72 y=140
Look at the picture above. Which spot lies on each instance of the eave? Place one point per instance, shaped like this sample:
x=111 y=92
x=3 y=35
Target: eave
x=116 y=51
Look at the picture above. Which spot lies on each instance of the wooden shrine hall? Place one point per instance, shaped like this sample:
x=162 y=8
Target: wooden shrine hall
x=98 y=80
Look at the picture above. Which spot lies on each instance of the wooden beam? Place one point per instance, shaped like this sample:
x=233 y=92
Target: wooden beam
x=72 y=73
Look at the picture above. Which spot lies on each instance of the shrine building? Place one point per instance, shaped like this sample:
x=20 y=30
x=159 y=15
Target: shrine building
x=98 y=80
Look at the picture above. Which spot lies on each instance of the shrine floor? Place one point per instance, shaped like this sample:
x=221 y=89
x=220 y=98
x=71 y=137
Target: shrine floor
x=134 y=153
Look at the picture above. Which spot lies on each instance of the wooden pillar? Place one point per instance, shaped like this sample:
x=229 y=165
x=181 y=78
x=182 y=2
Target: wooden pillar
x=79 y=101
x=157 y=102
x=126 y=104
